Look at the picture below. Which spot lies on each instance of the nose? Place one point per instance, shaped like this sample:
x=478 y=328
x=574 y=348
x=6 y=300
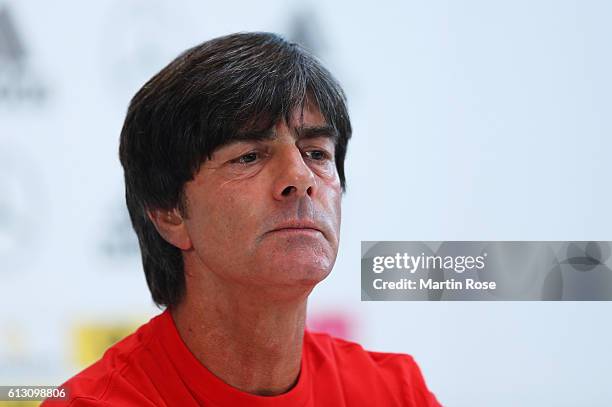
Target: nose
x=294 y=177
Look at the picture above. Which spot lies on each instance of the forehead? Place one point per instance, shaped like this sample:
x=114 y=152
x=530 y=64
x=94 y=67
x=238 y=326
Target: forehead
x=307 y=114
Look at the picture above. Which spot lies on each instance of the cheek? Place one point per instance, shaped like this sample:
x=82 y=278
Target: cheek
x=224 y=221
x=332 y=202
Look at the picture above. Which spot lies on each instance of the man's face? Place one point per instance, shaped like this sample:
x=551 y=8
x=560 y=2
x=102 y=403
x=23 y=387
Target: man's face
x=267 y=212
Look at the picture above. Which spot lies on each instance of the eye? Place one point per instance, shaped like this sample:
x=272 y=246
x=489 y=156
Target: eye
x=317 y=155
x=247 y=158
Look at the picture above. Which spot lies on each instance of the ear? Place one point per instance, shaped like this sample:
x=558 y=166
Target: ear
x=171 y=226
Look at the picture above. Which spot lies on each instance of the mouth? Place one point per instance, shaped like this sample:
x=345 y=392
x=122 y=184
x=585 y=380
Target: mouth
x=296 y=231
x=298 y=228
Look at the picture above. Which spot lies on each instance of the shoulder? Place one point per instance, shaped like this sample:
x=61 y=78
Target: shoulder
x=394 y=373
x=110 y=377
x=348 y=353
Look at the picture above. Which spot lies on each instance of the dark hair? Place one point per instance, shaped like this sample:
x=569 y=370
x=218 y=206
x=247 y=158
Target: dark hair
x=199 y=102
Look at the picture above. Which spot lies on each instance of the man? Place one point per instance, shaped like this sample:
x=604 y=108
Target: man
x=234 y=170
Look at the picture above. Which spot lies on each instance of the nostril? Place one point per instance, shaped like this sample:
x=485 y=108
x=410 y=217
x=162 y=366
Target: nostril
x=288 y=190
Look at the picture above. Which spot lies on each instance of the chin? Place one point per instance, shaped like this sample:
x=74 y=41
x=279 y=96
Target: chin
x=296 y=261
x=300 y=267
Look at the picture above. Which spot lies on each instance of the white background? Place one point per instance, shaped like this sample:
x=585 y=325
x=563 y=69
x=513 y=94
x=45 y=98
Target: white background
x=473 y=120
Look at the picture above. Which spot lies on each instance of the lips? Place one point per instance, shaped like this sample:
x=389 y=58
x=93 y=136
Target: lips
x=297 y=226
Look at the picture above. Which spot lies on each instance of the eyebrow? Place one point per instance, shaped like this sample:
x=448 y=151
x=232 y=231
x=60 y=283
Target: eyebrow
x=308 y=132
x=300 y=133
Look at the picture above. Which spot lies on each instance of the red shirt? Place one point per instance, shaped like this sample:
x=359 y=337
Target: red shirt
x=153 y=367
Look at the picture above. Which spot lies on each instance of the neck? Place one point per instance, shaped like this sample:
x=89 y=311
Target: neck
x=251 y=343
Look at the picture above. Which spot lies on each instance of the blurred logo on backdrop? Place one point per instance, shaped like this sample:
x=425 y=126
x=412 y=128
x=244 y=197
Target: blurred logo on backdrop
x=92 y=339
x=119 y=240
x=304 y=29
x=334 y=322
x=22 y=202
x=19 y=83
x=138 y=38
